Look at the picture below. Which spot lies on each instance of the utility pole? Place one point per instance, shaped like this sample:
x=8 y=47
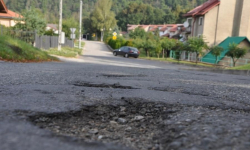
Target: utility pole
x=60 y=27
x=80 y=28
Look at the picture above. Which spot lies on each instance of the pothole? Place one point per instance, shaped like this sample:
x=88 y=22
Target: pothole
x=121 y=75
x=103 y=85
x=137 y=125
x=180 y=90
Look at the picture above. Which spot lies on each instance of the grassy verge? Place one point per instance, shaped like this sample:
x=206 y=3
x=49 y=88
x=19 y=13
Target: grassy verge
x=245 y=67
x=65 y=51
x=77 y=44
x=19 y=51
x=143 y=56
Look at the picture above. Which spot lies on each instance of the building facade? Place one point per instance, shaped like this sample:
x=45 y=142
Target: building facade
x=216 y=20
x=7 y=16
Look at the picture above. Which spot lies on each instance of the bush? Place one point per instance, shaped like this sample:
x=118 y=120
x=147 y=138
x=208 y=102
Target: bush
x=119 y=42
x=129 y=43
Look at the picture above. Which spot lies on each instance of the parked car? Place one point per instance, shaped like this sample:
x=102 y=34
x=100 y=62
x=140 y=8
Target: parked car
x=127 y=51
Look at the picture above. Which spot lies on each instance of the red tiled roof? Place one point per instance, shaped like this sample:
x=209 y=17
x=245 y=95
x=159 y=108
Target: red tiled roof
x=4 y=12
x=10 y=14
x=203 y=9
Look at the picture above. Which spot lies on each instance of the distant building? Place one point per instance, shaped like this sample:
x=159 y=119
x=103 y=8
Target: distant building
x=7 y=16
x=166 y=30
x=53 y=27
x=218 y=19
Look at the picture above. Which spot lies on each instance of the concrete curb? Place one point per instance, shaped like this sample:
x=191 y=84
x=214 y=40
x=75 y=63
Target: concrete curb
x=110 y=48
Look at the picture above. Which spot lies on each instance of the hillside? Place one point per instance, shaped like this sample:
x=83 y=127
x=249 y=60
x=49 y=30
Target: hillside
x=50 y=8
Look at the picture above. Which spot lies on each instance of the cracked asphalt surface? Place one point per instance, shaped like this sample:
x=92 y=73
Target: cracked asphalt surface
x=214 y=110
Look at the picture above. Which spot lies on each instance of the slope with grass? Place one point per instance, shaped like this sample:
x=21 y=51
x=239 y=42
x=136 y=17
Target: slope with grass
x=245 y=67
x=18 y=51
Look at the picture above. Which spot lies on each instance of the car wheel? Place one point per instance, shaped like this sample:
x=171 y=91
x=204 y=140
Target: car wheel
x=136 y=56
x=115 y=54
x=126 y=55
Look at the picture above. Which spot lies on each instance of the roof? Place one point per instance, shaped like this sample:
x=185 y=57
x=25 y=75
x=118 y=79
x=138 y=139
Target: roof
x=203 y=9
x=10 y=14
x=52 y=26
x=3 y=8
x=6 y=13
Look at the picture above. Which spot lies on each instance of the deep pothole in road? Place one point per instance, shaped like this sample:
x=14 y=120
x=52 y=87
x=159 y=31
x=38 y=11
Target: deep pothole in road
x=138 y=125
x=103 y=85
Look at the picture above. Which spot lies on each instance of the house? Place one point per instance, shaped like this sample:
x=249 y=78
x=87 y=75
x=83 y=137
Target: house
x=53 y=27
x=166 y=30
x=216 y=20
x=7 y=16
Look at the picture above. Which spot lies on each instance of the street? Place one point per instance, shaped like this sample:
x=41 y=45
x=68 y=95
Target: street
x=196 y=111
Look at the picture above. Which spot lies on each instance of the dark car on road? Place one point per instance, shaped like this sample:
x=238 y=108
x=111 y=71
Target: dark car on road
x=127 y=51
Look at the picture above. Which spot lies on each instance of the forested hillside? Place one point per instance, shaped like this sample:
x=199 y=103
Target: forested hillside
x=139 y=12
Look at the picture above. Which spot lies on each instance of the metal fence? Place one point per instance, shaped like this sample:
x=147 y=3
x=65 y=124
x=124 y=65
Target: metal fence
x=47 y=42
x=31 y=37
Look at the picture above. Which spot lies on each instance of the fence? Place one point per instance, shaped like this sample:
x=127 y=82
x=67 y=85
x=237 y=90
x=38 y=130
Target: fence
x=47 y=42
x=30 y=37
x=226 y=61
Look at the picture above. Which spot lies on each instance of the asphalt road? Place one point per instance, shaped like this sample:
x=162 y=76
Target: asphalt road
x=215 y=112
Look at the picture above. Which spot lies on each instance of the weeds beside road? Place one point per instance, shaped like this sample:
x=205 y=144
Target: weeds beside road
x=19 y=51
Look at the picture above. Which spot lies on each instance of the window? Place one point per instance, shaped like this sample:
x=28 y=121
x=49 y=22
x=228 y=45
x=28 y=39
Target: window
x=200 y=20
x=190 y=21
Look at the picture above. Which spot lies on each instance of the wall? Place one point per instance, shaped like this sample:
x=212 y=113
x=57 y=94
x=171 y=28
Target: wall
x=198 y=29
x=245 y=20
x=225 y=20
x=210 y=21
x=5 y=22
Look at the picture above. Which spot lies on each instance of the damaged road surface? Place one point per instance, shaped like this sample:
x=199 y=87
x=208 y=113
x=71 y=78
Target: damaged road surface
x=113 y=103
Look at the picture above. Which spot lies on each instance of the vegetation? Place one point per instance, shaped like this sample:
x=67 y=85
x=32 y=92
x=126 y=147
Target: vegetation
x=196 y=45
x=167 y=45
x=19 y=51
x=32 y=20
x=216 y=51
x=102 y=18
x=236 y=52
x=65 y=51
x=245 y=67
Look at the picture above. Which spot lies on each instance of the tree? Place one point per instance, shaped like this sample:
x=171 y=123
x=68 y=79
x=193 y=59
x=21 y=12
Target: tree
x=216 y=51
x=102 y=17
x=70 y=23
x=138 y=33
x=148 y=44
x=167 y=44
x=32 y=21
x=236 y=52
x=158 y=49
x=196 y=45
x=178 y=49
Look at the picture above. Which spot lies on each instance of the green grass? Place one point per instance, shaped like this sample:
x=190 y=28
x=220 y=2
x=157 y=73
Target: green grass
x=77 y=43
x=245 y=67
x=154 y=57
x=65 y=51
x=18 y=51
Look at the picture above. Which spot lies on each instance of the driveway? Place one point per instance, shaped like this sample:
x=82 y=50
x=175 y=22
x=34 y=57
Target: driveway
x=208 y=110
